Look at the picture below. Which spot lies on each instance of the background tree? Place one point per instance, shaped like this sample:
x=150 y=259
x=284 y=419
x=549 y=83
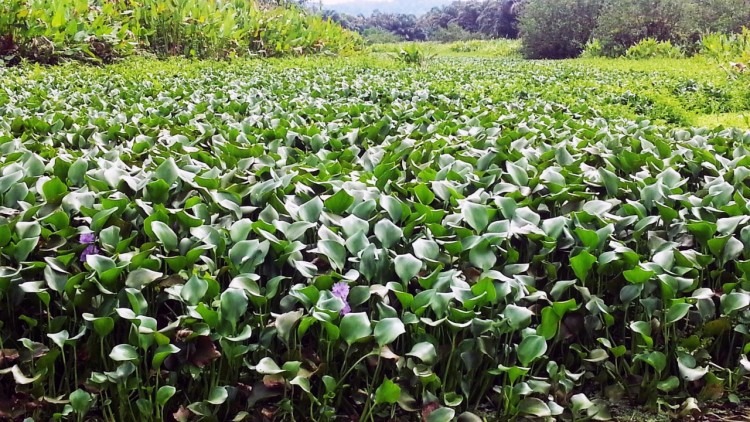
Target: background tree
x=557 y=29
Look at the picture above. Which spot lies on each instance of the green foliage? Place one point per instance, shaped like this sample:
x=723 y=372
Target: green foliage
x=47 y=31
x=412 y=54
x=723 y=48
x=469 y=49
x=316 y=237
x=379 y=36
x=455 y=21
x=593 y=49
x=450 y=34
x=650 y=48
x=557 y=29
x=624 y=23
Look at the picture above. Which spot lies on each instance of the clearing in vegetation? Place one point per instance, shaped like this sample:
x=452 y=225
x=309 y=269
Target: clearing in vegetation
x=360 y=239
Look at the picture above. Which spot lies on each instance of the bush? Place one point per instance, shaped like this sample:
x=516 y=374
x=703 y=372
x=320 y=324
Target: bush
x=593 y=49
x=451 y=33
x=725 y=47
x=412 y=54
x=557 y=29
x=624 y=23
x=650 y=48
x=465 y=46
x=380 y=36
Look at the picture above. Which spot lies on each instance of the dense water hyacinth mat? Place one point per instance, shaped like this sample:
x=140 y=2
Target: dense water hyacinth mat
x=332 y=239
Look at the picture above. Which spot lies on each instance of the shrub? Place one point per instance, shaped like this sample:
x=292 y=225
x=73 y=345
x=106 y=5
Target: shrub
x=650 y=48
x=557 y=29
x=624 y=23
x=725 y=47
x=412 y=54
x=380 y=36
x=592 y=49
x=451 y=33
x=465 y=47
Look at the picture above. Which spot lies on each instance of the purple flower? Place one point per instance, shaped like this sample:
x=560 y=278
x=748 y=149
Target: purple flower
x=87 y=238
x=341 y=291
x=90 y=250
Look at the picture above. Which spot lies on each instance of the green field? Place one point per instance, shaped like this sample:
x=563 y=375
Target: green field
x=359 y=239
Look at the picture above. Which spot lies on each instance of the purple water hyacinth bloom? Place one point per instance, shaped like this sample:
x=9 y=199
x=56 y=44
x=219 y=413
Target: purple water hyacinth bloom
x=341 y=291
x=90 y=250
x=87 y=238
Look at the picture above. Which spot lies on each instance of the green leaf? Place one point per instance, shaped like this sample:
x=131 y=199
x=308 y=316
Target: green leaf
x=550 y=323
x=387 y=393
x=166 y=235
x=80 y=401
x=311 y=210
x=334 y=251
x=676 y=312
x=424 y=195
x=407 y=267
x=425 y=352
x=218 y=395
x=426 y=249
x=248 y=254
x=141 y=277
x=53 y=190
x=597 y=207
x=531 y=348
x=669 y=384
x=442 y=414
x=194 y=290
x=268 y=366
x=168 y=171
x=388 y=233
x=582 y=264
x=161 y=353
x=233 y=305
x=164 y=393
x=734 y=301
x=534 y=407
x=393 y=206
x=518 y=317
x=476 y=215
x=387 y=330
x=339 y=202
x=355 y=327
x=123 y=353
x=517 y=174
x=482 y=256
x=638 y=275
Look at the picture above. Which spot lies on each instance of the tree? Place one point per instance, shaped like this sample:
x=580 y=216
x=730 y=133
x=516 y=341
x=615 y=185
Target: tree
x=624 y=23
x=556 y=29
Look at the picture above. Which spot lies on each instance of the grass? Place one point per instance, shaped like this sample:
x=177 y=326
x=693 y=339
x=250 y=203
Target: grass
x=468 y=49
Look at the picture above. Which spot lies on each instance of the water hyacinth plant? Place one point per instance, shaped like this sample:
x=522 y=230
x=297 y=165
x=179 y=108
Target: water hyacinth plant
x=469 y=241
x=50 y=31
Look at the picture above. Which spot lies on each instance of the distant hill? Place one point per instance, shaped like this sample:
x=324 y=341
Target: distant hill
x=366 y=7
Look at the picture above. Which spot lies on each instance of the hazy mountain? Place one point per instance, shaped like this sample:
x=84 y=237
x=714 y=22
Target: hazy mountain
x=366 y=7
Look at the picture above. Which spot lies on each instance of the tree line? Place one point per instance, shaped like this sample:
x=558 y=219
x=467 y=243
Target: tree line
x=453 y=22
